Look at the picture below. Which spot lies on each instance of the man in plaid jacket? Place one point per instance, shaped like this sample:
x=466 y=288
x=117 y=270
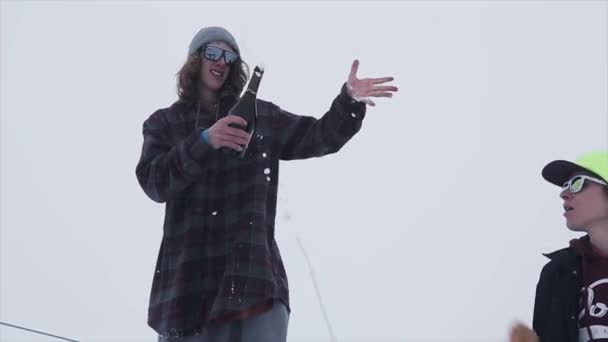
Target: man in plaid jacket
x=219 y=274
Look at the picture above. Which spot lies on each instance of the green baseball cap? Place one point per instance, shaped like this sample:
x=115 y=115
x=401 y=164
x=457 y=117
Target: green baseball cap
x=559 y=172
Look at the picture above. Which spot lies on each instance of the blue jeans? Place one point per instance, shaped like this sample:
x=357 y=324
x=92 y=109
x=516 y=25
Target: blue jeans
x=270 y=326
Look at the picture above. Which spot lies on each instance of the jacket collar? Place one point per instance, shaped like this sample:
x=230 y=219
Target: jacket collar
x=560 y=253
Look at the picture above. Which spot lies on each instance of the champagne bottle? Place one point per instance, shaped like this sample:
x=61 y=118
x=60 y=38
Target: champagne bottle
x=246 y=107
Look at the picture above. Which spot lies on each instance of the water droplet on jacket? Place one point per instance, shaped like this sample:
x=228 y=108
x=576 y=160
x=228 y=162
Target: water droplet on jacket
x=214 y=213
x=264 y=154
x=268 y=179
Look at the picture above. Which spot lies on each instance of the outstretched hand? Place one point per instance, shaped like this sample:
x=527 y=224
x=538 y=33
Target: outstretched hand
x=362 y=89
x=522 y=333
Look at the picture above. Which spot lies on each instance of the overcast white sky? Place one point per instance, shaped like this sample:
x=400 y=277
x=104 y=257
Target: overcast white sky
x=428 y=226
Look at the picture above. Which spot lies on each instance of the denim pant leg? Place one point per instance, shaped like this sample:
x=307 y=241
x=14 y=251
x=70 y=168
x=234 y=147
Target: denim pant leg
x=230 y=332
x=271 y=326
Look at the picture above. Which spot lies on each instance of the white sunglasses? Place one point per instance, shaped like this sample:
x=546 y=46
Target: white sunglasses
x=576 y=184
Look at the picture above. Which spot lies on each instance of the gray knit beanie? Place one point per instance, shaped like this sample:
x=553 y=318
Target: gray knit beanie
x=210 y=34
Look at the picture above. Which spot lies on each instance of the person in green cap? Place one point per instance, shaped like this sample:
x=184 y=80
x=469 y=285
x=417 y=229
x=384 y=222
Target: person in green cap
x=571 y=302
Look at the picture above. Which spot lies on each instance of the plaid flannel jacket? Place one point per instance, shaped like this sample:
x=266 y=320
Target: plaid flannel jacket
x=218 y=253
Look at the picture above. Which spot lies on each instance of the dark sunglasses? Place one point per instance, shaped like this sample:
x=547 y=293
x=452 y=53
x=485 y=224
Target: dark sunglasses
x=576 y=184
x=214 y=53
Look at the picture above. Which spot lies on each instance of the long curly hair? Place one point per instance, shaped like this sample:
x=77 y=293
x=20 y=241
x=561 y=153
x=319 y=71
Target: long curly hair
x=189 y=78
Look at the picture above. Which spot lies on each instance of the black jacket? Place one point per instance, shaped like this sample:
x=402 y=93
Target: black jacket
x=557 y=297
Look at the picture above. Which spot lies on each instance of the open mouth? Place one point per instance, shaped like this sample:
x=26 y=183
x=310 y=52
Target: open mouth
x=217 y=73
x=568 y=208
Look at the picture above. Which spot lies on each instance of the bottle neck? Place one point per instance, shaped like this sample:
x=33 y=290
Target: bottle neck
x=254 y=83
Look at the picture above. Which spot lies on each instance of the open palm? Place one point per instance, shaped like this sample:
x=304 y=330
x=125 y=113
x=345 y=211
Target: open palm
x=362 y=89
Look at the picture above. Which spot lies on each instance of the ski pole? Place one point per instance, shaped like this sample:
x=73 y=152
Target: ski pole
x=314 y=281
x=37 y=332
